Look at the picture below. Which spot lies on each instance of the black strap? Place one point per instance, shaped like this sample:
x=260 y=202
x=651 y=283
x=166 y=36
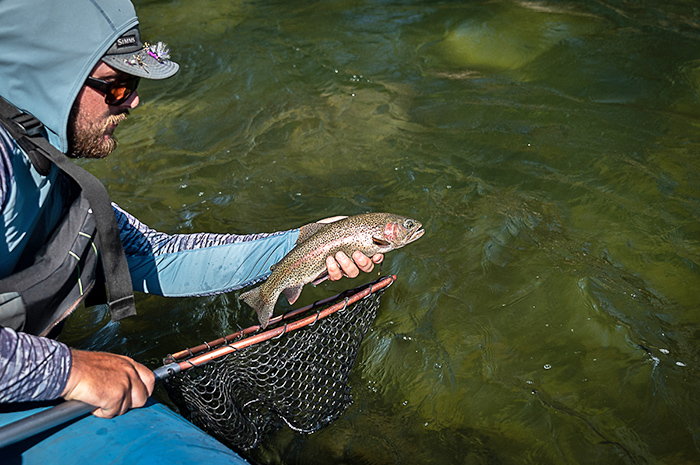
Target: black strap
x=30 y=139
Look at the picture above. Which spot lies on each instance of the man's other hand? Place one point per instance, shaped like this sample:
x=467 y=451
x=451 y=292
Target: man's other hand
x=113 y=383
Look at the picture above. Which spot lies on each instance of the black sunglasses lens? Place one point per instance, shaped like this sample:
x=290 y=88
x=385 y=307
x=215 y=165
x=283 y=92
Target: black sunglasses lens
x=119 y=92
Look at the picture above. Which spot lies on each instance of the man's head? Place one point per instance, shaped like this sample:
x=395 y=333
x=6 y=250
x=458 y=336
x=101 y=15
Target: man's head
x=110 y=91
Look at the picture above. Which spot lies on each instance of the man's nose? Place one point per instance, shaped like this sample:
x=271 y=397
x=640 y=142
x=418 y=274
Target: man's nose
x=133 y=100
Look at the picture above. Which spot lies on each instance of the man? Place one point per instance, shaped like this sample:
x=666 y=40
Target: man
x=75 y=65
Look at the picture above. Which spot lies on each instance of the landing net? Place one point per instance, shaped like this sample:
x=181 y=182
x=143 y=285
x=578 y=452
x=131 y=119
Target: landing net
x=240 y=388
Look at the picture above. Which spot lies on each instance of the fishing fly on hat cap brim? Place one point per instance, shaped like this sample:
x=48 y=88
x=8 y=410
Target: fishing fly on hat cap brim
x=130 y=55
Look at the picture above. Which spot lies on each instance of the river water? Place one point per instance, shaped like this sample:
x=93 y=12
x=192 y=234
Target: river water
x=550 y=314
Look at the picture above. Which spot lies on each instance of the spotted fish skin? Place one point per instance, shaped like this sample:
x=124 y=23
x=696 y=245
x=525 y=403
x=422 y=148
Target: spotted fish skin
x=370 y=233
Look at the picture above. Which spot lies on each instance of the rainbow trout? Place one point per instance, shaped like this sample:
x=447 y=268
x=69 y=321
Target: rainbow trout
x=370 y=233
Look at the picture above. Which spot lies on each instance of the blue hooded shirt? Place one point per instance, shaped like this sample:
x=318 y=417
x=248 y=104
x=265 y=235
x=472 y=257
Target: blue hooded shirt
x=47 y=50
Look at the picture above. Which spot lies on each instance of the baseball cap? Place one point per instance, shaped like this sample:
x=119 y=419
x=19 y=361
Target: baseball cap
x=130 y=55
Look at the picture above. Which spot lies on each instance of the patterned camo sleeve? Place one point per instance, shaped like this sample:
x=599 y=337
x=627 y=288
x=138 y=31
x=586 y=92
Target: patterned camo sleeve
x=5 y=164
x=32 y=367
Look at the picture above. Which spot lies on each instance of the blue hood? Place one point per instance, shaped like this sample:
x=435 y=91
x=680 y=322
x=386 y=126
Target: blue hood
x=47 y=50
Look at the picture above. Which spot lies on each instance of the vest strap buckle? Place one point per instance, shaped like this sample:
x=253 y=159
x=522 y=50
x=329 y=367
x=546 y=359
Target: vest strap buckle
x=28 y=124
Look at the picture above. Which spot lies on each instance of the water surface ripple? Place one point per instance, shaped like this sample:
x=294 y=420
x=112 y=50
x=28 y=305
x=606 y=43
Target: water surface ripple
x=550 y=314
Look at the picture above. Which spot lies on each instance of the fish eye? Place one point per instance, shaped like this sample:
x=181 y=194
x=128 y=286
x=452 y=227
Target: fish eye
x=409 y=224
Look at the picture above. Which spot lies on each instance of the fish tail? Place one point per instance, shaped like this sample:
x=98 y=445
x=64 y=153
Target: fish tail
x=254 y=298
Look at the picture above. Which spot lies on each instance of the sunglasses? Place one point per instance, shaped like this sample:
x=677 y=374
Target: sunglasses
x=116 y=92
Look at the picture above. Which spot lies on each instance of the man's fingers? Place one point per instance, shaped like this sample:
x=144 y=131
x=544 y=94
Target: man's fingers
x=147 y=378
x=348 y=266
x=111 y=411
x=135 y=396
x=334 y=271
x=341 y=265
x=363 y=262
x=113 y=383
x=140 y=396
x=142 y=384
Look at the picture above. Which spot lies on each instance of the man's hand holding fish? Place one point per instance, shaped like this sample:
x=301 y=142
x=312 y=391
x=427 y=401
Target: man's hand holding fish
x=341 y=265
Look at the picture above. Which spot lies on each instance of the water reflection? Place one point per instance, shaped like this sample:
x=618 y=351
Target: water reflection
x=550 y=313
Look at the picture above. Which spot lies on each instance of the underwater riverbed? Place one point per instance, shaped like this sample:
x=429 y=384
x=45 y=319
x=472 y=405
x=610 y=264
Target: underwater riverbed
x=549 y=315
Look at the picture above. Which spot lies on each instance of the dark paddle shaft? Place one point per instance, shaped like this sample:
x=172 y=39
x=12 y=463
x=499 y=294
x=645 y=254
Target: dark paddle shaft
x=61 y=413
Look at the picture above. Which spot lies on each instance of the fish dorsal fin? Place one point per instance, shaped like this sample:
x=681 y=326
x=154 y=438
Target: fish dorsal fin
x=292 y=293
x=309 y=230
x=380 y=241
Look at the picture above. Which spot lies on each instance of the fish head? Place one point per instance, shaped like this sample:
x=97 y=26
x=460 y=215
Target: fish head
x=400 y=231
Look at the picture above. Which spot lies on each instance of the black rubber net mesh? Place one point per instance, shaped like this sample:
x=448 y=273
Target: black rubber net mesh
x=299 y=379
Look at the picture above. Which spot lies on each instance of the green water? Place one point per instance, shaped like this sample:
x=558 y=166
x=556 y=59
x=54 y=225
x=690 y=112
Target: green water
x=551 y=312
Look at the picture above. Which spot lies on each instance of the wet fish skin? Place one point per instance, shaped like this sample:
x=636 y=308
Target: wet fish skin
x=370 y=233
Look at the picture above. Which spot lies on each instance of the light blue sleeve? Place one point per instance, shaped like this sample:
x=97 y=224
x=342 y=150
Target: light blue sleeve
x=198 y=264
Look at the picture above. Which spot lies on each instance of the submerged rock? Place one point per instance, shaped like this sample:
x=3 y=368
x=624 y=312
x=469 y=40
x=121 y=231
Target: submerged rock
x=508 y=36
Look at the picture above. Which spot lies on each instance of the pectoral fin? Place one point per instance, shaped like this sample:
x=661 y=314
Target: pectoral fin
x=292 y=293
x=320 y=278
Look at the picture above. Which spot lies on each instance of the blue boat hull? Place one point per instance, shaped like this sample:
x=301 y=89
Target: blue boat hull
x=149 y=435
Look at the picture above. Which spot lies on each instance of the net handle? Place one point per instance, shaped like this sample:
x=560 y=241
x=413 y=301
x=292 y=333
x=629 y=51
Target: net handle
x=74 y=409
x=207 y=346
x=231 y=347
x=55 y=416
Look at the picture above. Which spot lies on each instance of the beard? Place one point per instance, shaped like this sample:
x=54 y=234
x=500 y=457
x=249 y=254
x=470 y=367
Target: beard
x=90 y=139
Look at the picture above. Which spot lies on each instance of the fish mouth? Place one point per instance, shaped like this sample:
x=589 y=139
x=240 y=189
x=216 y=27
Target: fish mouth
x=416 y=235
